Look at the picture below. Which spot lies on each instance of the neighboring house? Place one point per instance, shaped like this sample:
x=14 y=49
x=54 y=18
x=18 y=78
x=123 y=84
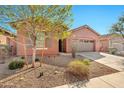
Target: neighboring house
x=118 y=43
x=111 y=41
x=83 y=39
x=6 y=39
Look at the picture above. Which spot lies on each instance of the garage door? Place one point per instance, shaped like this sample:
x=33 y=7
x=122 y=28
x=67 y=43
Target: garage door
x=118 y=46
x=83 y=45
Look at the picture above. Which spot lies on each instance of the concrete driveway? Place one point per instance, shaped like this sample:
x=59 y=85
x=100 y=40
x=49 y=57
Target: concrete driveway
x=112 y=61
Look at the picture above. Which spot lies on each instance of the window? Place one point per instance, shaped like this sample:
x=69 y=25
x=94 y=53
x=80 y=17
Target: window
x=40 y=41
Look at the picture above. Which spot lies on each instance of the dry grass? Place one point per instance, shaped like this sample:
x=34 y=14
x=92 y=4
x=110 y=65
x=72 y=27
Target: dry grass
x=79 y=68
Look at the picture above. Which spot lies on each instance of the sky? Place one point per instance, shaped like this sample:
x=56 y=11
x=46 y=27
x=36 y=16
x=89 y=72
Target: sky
x=100 y=18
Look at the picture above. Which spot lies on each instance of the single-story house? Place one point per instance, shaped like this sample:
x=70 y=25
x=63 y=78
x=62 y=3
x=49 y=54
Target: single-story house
x=83 y=39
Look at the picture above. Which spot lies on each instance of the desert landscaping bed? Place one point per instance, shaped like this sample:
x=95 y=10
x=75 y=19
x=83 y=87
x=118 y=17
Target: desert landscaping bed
x=52 y=76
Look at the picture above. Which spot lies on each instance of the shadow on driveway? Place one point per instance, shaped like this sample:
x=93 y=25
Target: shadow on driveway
x=91 y=55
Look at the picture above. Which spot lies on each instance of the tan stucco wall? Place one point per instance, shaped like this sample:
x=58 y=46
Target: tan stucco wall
x=53 y=50
x=3 y=39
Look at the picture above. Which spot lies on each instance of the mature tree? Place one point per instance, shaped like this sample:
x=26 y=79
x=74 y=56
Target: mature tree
x=118 y=28
x=36 y=19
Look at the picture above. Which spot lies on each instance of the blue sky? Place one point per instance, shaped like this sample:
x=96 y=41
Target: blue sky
x=100 y=18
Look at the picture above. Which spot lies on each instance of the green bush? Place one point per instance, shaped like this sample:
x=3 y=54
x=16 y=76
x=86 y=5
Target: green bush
x=12 y=65
x=20 y=64
x=86 y=61
x=15 y=65
x=37 y=59
x=22 y=57
x=79 y=68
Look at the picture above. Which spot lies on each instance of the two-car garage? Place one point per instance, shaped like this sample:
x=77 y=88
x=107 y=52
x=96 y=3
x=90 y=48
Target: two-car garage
x=83 y=39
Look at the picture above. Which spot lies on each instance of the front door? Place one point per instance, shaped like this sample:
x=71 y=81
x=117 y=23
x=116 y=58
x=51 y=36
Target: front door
x=60 y=45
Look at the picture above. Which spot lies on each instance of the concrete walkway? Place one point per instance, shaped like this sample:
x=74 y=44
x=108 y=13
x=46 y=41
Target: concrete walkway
x=112 y=61
x=115 y=80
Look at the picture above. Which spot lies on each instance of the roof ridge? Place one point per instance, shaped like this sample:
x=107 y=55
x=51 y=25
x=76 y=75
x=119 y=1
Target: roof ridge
x=87 y=26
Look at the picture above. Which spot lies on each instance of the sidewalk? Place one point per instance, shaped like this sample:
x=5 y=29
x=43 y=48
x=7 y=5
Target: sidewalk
x=115 y=80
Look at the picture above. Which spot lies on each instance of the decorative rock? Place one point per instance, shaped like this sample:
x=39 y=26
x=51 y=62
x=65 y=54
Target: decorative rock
x=56 y=72
x=22 y=78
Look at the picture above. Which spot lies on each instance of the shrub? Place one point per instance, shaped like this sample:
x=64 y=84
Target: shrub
x=15 y=65
x=22 y=57
x=79 y=68
x=86 y=61
x=20 y=64
x=37 y=59
x=112 y=50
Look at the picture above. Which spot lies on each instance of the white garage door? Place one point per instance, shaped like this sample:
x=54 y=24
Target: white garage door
x=83 y=45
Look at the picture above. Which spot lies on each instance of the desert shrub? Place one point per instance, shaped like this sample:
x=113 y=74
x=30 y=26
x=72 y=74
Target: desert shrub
x=112 y=50
x=20 y=64
x=79 y=68
x=86 y=61
x=12 y=65
x=37 y=59
x=22 y=57
x=16 y=64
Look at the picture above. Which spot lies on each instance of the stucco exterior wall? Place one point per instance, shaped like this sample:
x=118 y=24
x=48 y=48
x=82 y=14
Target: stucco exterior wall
x=3 y=40
x=53 y=50
x=104 y=43
x=118 y=43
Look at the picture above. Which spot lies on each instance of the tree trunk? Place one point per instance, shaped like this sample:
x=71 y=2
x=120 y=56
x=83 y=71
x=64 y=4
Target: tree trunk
x=43 y=51
x=33 y=57
x=25 y=54
x=42 y=58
